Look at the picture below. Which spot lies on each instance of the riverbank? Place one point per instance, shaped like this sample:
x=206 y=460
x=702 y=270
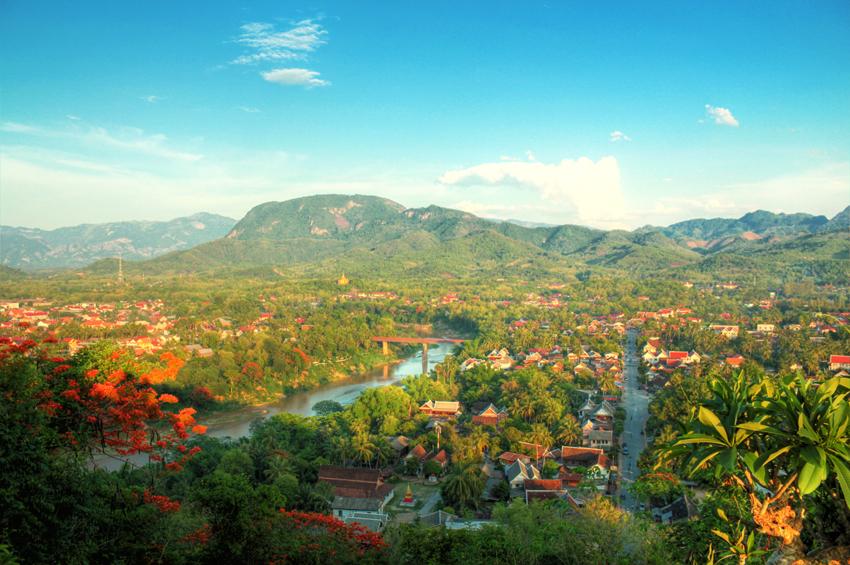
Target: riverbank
x=236 y=423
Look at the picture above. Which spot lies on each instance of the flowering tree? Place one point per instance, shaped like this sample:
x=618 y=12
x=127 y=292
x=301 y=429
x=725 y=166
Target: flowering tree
x=319 y=538
x=102 y=400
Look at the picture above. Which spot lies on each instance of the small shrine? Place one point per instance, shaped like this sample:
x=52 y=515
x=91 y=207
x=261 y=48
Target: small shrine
x=409 y=499
x=343 y=280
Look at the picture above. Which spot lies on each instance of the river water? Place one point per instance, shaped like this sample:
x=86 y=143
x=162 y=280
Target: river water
x=237 y=424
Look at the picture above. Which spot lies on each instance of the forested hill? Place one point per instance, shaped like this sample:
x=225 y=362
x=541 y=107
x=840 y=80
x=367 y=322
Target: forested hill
x=31 y=248
x=368 y=235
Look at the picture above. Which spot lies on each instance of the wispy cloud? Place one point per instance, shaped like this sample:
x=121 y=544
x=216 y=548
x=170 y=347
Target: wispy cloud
x=249 y=109
x=617 y=135
x=295 y=77
x=128 y=139
x=16 y=127
x=152 y=98
x=265 y=44
x=721 y=116
x=583 y=190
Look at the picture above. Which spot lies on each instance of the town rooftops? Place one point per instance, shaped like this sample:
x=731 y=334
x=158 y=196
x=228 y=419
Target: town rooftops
x=583 y=456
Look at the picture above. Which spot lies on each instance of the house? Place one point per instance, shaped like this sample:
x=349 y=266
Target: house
x=418 y=453
x=356 y=483
x=508 y=458
x=680 y=509
x=366 y=511
x=734 y=361
x=586 y=410
x=518 y=472
x=441 y=458
x=441 y=408
x=543 y=489
x=568 y=478
x=587 y=457
x=599 y=438
x=490 y=416
x=400 y=443
x=839 y=362
x=726 y=331
x=765 y=328
x=603 y=412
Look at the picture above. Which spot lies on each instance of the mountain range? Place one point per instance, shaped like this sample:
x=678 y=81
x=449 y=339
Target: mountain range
x=77 y=246
x=369 y=235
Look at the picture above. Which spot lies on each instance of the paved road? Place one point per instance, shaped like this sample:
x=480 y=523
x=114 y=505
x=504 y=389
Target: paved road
x=636 y=404
x=429 y=505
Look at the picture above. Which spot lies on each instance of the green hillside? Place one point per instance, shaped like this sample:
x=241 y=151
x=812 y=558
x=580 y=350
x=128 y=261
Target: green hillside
x=371 y=236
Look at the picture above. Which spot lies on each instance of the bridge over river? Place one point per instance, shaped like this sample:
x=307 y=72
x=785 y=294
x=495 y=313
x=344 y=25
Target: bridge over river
x=385 y=342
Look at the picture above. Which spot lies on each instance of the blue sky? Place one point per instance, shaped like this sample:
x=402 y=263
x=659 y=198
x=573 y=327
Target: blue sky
x=612 y=116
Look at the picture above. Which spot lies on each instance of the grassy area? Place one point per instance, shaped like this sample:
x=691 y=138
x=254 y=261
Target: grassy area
x=421 y=493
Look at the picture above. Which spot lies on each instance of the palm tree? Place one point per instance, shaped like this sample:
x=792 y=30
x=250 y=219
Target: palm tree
x=541 y=436
x=364 y=448
x=569 y=430
x=480 y=438
x=472 y=348
x=463 y=487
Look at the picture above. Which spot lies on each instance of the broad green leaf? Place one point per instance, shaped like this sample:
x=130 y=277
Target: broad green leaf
x=768 y=457
x=810 y=478
x=805 y=429
x=714 y=453
x=698 y=438
x=843 y=474
x=759 y=427
x=728 y=457
x=709 y=418
x=758 y=473
x=810 y=455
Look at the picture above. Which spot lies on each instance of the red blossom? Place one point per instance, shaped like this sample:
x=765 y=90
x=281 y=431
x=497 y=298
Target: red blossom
x=162 y=503
x=168 y=398
x=199 y=429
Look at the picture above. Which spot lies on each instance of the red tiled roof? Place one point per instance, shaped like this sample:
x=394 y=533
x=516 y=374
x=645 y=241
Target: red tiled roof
x=842 y=359
x=543 y=484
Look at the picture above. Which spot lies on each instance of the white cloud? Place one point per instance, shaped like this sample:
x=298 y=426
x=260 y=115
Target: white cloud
x=617 y=135
x=152 y=98
x=295 y=77
x=72 y=117
x=248 y=109
x=721 y=116
x=266 y=44
x=576 y=190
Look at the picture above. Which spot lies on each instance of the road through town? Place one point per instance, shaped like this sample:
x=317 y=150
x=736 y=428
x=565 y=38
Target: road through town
x=633 y=439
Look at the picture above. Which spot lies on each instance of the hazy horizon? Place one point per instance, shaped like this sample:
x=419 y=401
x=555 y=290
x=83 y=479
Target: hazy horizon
x=237 y=218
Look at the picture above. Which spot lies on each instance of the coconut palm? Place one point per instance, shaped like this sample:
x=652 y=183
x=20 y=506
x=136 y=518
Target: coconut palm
x=364 y=448
x=569 y=430
x=463 y=487
x=480 y=438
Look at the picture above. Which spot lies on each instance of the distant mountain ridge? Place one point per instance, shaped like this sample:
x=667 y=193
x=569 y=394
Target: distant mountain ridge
x=368 y=234
x=77 y=246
